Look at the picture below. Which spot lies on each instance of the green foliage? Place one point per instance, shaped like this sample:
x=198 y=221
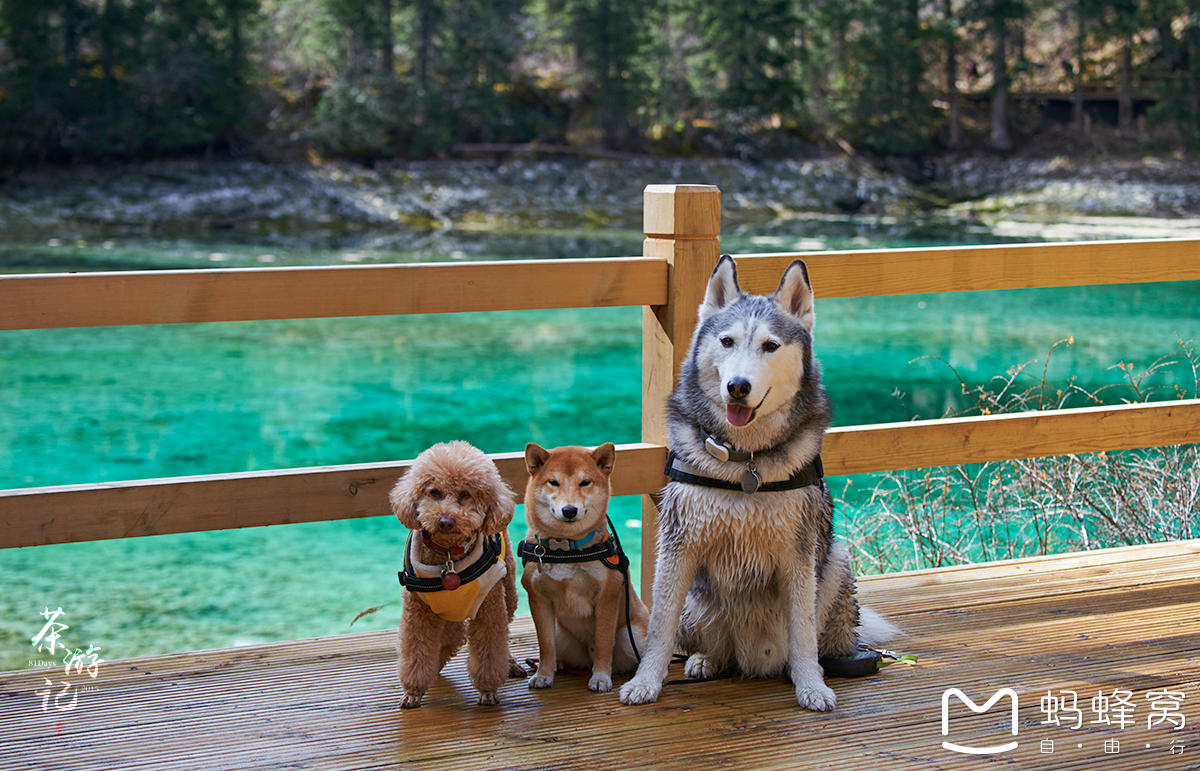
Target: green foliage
x=388 y=78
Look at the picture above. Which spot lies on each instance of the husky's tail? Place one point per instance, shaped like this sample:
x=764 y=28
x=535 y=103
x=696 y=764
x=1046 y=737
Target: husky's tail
x=874 y=629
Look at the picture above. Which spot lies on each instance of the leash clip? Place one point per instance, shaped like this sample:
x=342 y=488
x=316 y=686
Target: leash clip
x=450 y=578
x=750 y=480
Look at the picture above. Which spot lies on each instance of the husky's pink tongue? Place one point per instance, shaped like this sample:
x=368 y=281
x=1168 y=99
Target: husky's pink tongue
x=738 y=414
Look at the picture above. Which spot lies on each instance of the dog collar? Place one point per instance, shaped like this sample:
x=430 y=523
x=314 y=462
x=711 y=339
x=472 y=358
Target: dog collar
x=607 y=550
x=452 y=551
x=724 y=452
x=811 y=474
x=569 y=543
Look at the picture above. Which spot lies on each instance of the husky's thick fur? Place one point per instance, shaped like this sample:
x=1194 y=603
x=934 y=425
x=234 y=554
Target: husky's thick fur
x=751 y=580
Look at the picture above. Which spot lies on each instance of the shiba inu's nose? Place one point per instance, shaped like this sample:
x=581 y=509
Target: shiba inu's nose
x=446 y=523
x=738 y=387
x=569 y=512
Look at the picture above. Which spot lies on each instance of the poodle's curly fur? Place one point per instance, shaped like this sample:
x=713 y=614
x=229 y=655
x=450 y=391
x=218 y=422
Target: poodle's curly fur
x=454 y=493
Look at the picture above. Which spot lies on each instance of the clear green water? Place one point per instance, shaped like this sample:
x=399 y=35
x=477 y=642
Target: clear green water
x=106 y=404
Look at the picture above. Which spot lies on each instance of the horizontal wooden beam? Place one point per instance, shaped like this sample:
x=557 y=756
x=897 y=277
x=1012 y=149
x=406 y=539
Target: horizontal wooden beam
x=921 y=444
x=35 y=516
x=44 y=301
x=97 y=512
x=971 y=268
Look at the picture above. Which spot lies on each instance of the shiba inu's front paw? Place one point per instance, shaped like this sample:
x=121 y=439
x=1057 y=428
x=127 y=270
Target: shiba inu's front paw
x=640 y=692
x=699 y=667
x=816 y=696
x=538 y=682
x=488 y=699
x=600 y=683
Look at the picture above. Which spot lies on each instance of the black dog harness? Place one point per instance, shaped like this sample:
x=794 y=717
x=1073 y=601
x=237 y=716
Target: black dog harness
x=608 y=552
x=811 y=474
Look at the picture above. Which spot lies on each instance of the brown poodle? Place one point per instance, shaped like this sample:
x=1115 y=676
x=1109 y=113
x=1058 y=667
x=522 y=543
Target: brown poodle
x=459 y=570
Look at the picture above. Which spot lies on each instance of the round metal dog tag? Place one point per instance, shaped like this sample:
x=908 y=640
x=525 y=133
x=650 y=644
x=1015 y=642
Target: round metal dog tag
x=750 y=481
x=451 y=581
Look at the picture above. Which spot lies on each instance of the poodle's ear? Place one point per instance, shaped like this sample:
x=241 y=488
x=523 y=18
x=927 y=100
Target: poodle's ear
x=404 y=498
x=605 y=455
x=535 y=457
x=498 y=507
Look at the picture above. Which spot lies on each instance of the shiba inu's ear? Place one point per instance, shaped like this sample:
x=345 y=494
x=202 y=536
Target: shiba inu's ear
x=498 y=507
x=605 y=455
x=795 y=294
x=404 y=500
x=722 y=288
x=535 y=457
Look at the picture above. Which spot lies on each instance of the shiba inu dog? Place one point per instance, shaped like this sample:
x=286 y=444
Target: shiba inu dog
x=582 y=606
x=748 y=573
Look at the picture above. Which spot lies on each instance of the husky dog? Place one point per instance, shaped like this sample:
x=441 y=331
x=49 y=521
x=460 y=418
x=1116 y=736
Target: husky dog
x=748 y=574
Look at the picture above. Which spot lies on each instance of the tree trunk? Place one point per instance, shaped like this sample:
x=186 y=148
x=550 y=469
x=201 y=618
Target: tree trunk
x=387 y=43
x=1125 y=99
x=954 y=141
x=1000 y=138
x=1080 y=40
x=424 y=53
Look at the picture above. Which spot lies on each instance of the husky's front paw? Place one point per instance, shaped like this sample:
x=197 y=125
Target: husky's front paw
x=488 y=699
x=700 y=667
x=640 y=692
x=411 y=701
x=515 y=669
x=538 y=682
x=816 y=696
x=600 y=683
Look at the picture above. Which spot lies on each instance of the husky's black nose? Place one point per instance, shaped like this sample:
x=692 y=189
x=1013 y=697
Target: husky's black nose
x=739 y=388
x=569 y=512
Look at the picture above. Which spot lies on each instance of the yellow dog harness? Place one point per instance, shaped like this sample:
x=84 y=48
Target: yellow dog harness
x=479 y=571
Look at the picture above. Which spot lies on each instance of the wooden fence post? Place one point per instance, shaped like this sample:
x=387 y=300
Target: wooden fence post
x=682 y=225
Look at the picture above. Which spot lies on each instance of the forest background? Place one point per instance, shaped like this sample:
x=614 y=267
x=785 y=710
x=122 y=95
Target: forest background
x=86 y=80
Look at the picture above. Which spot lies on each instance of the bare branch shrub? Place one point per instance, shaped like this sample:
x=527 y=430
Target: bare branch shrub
x=988 y=511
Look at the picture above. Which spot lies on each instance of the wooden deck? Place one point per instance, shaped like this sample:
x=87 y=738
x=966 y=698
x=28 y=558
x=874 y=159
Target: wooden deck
x=1118 y=619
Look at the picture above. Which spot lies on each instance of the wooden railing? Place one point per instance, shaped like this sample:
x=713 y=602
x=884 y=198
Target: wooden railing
x=682 y=223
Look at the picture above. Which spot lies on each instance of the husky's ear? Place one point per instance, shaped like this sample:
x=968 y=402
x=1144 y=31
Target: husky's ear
x=605 y=455
x=722 y=288
x=795 y=294
x=535 y=457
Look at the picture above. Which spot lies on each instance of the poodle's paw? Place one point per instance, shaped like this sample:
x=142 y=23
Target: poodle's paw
x=516 y=670
x=537 y=682
x=411 y=701
x=815 y=696
x=488 y=699
x=700 y=667
x=639 y=691
x=600 y=682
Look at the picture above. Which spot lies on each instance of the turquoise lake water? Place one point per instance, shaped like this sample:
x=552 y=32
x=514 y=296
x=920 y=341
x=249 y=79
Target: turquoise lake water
x=92 y=405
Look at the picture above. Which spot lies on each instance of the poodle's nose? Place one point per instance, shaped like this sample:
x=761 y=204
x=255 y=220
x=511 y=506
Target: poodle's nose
x=569 y=512
x=739 y=388
x=446 y=523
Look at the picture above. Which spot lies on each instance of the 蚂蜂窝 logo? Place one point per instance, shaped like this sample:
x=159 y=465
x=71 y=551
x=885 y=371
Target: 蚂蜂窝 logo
x=1008 y=747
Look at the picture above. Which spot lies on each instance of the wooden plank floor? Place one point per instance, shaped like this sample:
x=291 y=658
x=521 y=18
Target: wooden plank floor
x=1118 y=619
